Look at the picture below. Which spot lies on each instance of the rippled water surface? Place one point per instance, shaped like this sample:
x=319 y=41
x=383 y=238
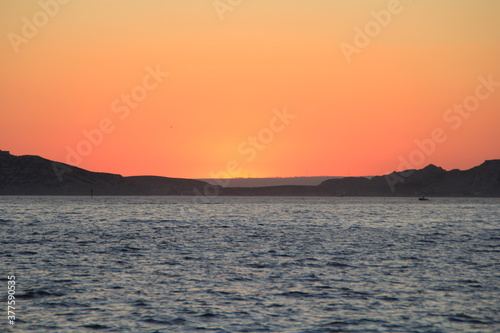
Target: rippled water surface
x=167 y=264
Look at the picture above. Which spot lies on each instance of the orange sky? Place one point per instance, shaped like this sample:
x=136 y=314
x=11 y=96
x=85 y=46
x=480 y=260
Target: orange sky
x=258 y=88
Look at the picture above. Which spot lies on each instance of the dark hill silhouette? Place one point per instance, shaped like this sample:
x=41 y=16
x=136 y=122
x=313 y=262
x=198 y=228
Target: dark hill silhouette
x=483 y=180
x=34 y=175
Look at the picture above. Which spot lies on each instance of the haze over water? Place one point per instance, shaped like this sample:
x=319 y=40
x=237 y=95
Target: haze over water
x=165 y=264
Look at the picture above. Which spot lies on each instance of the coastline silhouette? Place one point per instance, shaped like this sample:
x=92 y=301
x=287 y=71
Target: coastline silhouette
x=34 y=175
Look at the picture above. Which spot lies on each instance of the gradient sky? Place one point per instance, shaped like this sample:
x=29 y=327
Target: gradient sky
x=233 y=68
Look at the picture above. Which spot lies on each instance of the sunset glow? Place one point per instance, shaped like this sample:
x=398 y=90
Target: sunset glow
x=259 y=88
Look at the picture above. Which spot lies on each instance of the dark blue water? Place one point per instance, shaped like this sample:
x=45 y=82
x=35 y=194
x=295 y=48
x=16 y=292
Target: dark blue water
x=168 y=264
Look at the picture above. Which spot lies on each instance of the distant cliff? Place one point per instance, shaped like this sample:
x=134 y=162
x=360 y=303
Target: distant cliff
x=483 y=180
x=34 y=175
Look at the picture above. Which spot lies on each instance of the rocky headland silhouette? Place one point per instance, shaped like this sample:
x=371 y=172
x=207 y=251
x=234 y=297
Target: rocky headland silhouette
x=34 y=175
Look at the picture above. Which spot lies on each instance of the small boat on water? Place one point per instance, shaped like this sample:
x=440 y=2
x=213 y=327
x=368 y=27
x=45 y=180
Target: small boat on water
x=423 y=198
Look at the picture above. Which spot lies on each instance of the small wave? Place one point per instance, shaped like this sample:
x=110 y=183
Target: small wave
x=62 y=281
x=354 y=322
x=468 y=281
x=164 y=321
x=388 y=298
x=463 y=318
x=323 y=287
x=64 y=305
x=336 y=264
x=67 y=314
x=257 y=265
x=483 y=251
x=85 y=243
x=96 y=326
x=355 y=294
x=411 y=258
x=239 y=278
x=38 y=293
x=138 y=221
x=125 y=249
x=191 y=258
x=275 y=305
x=426 y=241
x=139 y=303
x=168 y=220
x=209 y=315
x=27 y=253
x=299 y=263
x=296 y=294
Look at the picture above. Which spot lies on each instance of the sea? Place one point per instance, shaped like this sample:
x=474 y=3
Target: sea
x=249 y=264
